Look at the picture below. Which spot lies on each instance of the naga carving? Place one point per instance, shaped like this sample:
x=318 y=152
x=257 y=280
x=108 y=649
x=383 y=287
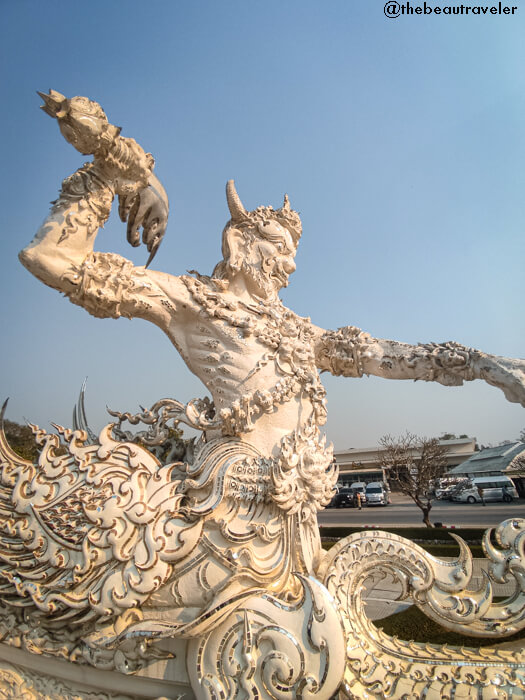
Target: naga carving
x=380 y=666
x=113 y=558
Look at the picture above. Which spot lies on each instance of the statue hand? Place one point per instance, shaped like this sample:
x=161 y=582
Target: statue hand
x=119 y=162
x=148 y=208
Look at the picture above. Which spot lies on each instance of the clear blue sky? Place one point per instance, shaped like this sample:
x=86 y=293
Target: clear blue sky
x=400 y=141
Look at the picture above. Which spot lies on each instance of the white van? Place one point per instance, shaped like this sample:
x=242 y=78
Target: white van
x=495 y=488
x=376 y=494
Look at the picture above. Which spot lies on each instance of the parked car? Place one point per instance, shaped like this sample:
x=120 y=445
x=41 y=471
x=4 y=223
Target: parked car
x=494 y=488
x=446 y=489
x=448 y=493
x=344 y=498
x=376 y=494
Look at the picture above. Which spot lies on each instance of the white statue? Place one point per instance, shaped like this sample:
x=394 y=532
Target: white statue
x=107 y=547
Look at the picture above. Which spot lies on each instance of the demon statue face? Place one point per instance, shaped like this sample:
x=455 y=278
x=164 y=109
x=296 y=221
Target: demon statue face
x=259 y=245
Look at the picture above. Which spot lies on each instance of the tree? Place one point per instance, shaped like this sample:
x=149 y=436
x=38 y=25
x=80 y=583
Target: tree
x=517 y=466
x=452 y=436
x=21 y=440
x=414 y=463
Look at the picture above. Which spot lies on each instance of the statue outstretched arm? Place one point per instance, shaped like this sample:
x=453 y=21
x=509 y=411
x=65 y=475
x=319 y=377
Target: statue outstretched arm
x=350 y=352
x=61 y=255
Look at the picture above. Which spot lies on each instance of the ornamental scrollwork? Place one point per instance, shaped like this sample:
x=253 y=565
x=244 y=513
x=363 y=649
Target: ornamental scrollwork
x=380 y=666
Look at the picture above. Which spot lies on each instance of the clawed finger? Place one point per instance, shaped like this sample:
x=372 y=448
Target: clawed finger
x=124 y=206
x=152 y=254
x=133 y=234
x=155 y=235
x=148 y=211
x=150 y=232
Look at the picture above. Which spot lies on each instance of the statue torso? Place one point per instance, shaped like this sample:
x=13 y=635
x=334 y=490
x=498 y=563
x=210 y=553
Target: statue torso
x=255 y=359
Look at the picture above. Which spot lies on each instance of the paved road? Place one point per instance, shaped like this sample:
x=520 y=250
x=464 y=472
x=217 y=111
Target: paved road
x=403 y=512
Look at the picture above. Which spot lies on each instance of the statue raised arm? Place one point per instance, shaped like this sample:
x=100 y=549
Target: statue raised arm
x=61 y=254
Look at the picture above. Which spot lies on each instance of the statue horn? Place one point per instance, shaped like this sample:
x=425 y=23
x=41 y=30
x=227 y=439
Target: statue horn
x=235 y=205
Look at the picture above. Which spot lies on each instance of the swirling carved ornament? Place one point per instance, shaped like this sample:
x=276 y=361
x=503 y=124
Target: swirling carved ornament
x=273 y=650
x=80 y=513
x=380 y=666
x=95 y=536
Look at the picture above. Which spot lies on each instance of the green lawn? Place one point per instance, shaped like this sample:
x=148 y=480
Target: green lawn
x=436 y=541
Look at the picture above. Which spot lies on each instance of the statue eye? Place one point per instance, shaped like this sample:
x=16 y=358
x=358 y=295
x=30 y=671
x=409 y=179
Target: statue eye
x=279 y=247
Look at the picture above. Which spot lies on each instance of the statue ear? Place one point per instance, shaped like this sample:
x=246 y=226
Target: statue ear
x=235 y=249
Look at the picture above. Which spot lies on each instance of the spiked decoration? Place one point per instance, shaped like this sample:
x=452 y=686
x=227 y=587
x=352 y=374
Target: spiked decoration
x=80 y=421
x=82 y=122
x=55 y=104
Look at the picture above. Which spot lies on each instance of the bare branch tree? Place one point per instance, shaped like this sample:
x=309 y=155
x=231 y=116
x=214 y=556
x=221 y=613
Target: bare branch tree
x=517 y=466
x=414 y=463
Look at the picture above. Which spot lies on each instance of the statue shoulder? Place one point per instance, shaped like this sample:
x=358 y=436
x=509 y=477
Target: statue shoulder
x=174 y=287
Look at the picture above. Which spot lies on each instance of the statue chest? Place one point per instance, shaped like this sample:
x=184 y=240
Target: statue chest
x=221 y=356
x=252 y=357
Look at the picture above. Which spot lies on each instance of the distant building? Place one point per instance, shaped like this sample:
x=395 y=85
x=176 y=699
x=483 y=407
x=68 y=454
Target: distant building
x=508 y=459
x=364 y=463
